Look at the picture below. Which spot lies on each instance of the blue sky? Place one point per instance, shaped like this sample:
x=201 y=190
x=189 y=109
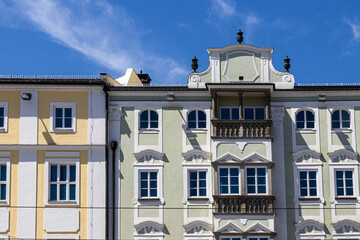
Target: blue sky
x=77 y=37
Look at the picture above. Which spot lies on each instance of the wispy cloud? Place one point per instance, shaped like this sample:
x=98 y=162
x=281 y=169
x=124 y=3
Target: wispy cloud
x=104 y=33
x=355 y=28
x=223 y=8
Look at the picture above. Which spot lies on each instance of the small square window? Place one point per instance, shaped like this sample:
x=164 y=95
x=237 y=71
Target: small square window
x=62 y=117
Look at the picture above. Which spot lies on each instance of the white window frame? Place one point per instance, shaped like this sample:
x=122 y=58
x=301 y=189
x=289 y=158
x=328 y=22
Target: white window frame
x=340 y=119
x=229 y=189
x=229 y=107
x=48 y=163
x=305 y=120
x=254 y=114
x=58 y=182
x=257 y=237
x=344 y=182
x=157 y=184
x=53 y=106
x=196 y=119
x=308 y=169
x=6 y=162
x=137 y=182
x=197 y=170
x=256 y=185
x=232 y=237
x=5 y=127
x=148 y=128
x=343 y=167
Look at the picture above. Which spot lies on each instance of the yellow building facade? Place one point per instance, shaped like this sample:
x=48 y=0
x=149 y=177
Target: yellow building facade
x=52 y=157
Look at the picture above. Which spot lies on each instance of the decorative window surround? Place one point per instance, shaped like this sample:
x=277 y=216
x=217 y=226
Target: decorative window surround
x=148 y=160
x=344 y=160
x=53 y=106
x=307 y=230
x=346 y=229
x=149 y=230
x=349 y=108
x=308 y=160
x=206 y=130
x=315 y=110
x=5 y=160
x=198 y=230
x=62 y=158
x=231 y=227
x=4 y=117
x=196 y=122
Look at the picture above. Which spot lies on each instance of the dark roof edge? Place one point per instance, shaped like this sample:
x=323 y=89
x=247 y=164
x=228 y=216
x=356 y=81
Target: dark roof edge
x=321 y=88
x=155 y=88
x=52 y=81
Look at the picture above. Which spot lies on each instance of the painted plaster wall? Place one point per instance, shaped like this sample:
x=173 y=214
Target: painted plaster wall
x=341 y=138
x=40 y=198
x=196 y=139
x=234 y=149
x=148 y=138
x=305 y=139
x=254 y=101
x=64 y=138
x=13 y=100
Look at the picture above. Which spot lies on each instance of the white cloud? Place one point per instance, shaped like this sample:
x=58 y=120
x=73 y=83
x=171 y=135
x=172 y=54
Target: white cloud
x=104 y=33
x=223 y=8
x=355 y=28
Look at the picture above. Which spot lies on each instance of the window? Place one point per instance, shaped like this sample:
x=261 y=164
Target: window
x=344 y=183
x=62 y=117
x=229 y=113
x=308 y=183
x=148 y=184
x=340 y=119
x=196 y=119
x=254 y=113
x=229 y=180
x=62 y=185
x=305 y=120
x=197 y=184
x=256 y=180
x=230 y=238
x=3 y=182
x=258 y=238
x=3 y=116
x=149 y=119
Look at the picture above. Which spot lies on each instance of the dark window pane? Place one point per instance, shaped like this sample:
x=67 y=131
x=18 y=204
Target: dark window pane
x=143 y=124
x=191 y=124
x=260 y=113
x=261 y=180
x=3 y=173
x=223 y=171
x=193 y=175
x=58 y=123
x=193 y=184
x=2 y=191
x=261 y=171
x=58 y=112
x=193 y=192
x=310 y=124
x=340 y=191
x=346 y=124
x=153 y=175
x=234 y=171
x=53 y=176
x=300 y=116
x=339 y=183
x=335 y=115
x=72 y=173
x=303 y=183
x=144 y=193
x=144 y=184
x=303 y=192
x=348 y=183
x=144 y=116
x=202 y=192
x=348 y=174
x=312 y=192
x=345 y=115
x=1 y=112
x=349 y=191
x=153 y=116
x=303 y=175
x=261 y=189
x=72 y=192
x=312 y=183
x=309 y=116
x=202 y=183
x=300 y=125
x=1 y=121
x=153 y=124
x=335 y=124
x=224 y=190
x=68 y=122
x=250 y=180
x=234 y=180
x=62 y=191
x=249 y=113
x=234 y=189
x=202 y=124
x=53 y=192
x=234 y=113
x=223 y=180
x=250 y=171
x=62 y=172
x=68 y=112
x=143 y=175
x=153 y=184
x=225 y=113
x=312 y=174
x=202 y=175
x=251 y=189
x=153 y=192
x=192 y=116
x=201 y=116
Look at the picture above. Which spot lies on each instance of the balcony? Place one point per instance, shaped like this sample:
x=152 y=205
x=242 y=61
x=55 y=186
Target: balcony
x=241 y=128
x=257 y=205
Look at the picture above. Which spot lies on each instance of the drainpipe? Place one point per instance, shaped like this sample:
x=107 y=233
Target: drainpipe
x=114 y=145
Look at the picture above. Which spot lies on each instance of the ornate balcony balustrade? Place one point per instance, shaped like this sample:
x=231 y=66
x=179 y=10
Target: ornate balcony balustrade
x=241 y=128
x=260 y=205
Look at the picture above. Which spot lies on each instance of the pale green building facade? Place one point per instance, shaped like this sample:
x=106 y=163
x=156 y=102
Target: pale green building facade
x=241 y=152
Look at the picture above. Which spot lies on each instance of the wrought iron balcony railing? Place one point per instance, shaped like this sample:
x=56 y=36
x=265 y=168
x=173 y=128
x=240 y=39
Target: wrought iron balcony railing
x=241 y=128
x=259 y=205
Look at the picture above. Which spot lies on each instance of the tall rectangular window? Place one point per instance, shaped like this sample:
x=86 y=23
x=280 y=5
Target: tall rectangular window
x=148 y=184
x=3 y=181
x=256 y=180
x=62 y=183
x=229 y=180
x=308 y=186
x=2 y=117
x=344 y=183
x=197 y=183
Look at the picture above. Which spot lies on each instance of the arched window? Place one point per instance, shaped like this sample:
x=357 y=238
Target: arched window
x=149 y=119
x=305 y=119
x=196 y=119
x=340 y=119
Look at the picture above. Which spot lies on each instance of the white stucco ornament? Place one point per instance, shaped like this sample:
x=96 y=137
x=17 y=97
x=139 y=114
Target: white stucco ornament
x=195 y=79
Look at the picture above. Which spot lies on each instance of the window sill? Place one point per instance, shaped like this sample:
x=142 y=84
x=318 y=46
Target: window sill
x=63 y=130
x=149 y=130
x=309 y=199
x=3 y=130
x=305 y=130
x=149 y=200
x=196 y=130
x=346 y=198
x=198 y=199
x=62 y=203
x=4 y=203
x=341 y=130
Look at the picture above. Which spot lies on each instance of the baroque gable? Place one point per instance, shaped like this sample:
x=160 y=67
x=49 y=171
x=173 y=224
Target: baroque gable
x=343 y=156
x=306 y=156
x=148 y=156
x=196 y=156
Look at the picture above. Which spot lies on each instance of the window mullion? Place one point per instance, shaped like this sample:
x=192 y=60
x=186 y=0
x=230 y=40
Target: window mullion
x=67 y=181
x=58 y=182
x=308 y=183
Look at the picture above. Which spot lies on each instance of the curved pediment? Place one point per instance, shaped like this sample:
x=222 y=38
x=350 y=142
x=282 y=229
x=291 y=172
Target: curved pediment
x=346 y=226
x=306 y=156
x=309 y=226
x=149 y=227
x=343 y=155
x=196 y=154
x=148 y=156
x=197 y=227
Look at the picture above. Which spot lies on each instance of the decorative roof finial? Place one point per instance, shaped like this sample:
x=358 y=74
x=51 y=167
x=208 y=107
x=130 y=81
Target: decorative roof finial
x=239 y=37
x=194 y=64
x=287 y=63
